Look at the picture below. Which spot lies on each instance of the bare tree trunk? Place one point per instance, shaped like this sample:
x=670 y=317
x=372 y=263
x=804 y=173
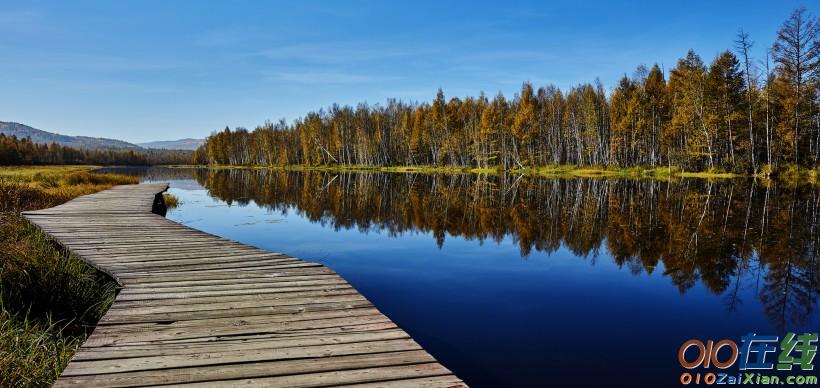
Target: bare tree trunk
x=744 y=44
x=768 y=129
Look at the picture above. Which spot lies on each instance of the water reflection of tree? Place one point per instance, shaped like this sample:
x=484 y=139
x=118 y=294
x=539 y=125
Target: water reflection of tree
x=726 y=236
x=789 y=252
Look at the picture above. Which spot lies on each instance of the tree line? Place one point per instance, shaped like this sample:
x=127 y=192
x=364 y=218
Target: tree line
x=737 y=113
x=14 y=151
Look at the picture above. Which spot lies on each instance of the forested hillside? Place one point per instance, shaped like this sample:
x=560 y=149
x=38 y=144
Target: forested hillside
x=22 y=131
x=14 y=151
x=734 y=113
x=181 y=144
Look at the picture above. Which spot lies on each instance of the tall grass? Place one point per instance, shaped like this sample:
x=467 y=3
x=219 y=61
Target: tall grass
x=171 y=201
x=49 y=299
x=32 y=353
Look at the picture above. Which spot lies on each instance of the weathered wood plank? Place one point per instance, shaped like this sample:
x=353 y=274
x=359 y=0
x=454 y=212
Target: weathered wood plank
x=246 y=280
x=95 y=367
x=194 y=323
x=119 y=338
x=112 y=319
x=381 y=375
x=145 y=307
x=246 y=370
x=358 y=328
x=131 y=351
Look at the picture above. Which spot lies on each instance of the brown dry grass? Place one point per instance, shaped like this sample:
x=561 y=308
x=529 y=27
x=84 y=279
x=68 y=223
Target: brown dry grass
x=49 y=299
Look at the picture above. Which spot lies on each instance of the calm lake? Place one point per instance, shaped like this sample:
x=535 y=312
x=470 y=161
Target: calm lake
x=523 y=281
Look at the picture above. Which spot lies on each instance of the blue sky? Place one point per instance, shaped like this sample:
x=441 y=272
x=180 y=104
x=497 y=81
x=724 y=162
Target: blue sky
x=142 y=70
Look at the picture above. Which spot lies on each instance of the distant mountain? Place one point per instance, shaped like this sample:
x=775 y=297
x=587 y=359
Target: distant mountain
x=38 y=136
x=181 y=144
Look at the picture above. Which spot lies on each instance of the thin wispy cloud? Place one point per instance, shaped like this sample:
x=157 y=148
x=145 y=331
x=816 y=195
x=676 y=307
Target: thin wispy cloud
x=329 y=63
x=123 y=86
x=108 y=64
x=308 y=77
x=18 y=23
x=329 y=53
x=224 y=37
x=18 y=17
x=108 y=86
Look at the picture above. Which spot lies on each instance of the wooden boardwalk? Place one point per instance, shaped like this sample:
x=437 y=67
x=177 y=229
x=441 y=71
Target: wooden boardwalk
x=199 y=309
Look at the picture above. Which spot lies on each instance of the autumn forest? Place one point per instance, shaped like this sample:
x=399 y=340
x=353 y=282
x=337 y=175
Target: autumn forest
x=735 y=113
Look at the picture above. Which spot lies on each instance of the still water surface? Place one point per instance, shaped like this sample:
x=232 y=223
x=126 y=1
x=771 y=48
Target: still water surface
x=520 y=281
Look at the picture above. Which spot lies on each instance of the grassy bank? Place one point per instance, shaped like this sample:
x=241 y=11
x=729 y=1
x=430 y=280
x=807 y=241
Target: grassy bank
x=631 y=172
x=49 y=299
x=548 y=170
x=789 y=174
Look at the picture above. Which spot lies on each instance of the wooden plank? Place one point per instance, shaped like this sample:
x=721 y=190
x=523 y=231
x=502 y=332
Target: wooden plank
x=131 y=351
x=223 y=285
x=227 y=268
x=195 y=323
x=120 y=338
x=150 y=278
x=111 y=319
x=79 y=368
x=262 y=284
x=446 y=381
x=200 y=309
x=145 y=307
x=246 y=370
x=380 y=375
x=150 y=283
x=357 y=328
x=157 y=261
x=127 y=295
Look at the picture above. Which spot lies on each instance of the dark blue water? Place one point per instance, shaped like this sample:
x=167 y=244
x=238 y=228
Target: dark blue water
x=522 y=301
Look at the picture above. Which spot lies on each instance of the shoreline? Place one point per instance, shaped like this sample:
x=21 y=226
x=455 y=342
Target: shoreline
x=788 y=175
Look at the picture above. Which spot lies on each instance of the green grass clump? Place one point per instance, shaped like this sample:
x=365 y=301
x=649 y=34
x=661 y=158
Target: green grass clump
x=711 y=173
x=22 y=359
x=50 y=300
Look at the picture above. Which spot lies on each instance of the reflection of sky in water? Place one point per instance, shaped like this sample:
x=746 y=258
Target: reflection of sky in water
x=493 y=316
